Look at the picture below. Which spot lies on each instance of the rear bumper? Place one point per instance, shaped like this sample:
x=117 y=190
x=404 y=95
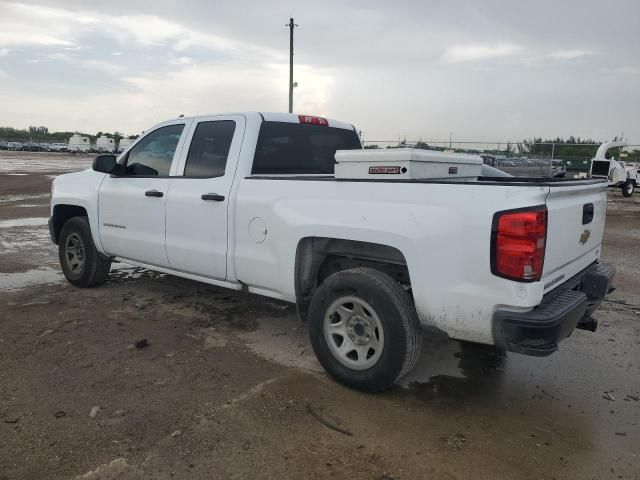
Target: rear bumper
x=539 y=331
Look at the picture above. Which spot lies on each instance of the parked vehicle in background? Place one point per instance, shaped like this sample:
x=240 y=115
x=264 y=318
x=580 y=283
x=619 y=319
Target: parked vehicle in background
x=105 y=144
x=15 y=146
x=369 y=248
x=4 y=145
x=59 y=147
x=31 y=147
x=558 y=169
x=45 y=147
x=79 y=143
x=489 y=160
x=622 y=175
x=124 y=143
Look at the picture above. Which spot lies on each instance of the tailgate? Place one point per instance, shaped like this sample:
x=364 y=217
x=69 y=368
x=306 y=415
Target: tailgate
x=576 y=218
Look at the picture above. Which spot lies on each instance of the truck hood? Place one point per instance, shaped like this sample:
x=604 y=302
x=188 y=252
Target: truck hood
x=76 y=178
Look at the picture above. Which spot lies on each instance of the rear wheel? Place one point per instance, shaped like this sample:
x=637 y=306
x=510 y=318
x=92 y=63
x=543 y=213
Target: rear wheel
x=628 y=188
x=81 y=263
x=364 y=329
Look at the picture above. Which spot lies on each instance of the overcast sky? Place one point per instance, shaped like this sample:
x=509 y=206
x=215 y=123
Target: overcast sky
x=485 y=70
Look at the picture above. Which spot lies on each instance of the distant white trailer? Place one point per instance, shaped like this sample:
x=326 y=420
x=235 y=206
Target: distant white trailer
x=79 y=143
x=105 y=144
x=124 y=143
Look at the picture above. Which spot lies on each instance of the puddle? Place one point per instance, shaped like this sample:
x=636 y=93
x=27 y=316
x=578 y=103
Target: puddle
x=23 y=222
x=22 y=236
x=452 y=370
x=446 y=369
x=17 y=174
x=21 y=164
x=22 y=198
x=124 y=272
x=10 y=282
x=442 y=356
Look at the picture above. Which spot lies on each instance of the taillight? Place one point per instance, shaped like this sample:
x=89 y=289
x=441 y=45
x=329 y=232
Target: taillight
x=518 y=243
x=313 y=120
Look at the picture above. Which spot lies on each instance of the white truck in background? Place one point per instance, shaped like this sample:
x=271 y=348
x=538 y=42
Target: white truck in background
x=59 y=147
x=369 y=250
x=619 y=174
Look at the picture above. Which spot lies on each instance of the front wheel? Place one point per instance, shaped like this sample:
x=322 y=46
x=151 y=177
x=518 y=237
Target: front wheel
x=81 y=263
x=364 y=329
x=628 y=188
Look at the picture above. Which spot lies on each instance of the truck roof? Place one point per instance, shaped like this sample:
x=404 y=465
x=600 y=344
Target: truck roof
x=277 y=117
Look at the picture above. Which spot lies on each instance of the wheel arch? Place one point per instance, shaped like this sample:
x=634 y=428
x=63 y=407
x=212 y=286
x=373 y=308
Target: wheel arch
x=319 y=257
x=61 y=214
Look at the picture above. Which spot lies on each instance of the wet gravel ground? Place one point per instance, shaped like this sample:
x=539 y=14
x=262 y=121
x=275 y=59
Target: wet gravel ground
x=227 y=386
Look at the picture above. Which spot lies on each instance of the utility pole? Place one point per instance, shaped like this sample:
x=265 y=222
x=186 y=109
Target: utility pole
x=291 y=26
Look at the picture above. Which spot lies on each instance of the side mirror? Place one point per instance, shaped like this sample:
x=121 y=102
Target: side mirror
x=105 y=163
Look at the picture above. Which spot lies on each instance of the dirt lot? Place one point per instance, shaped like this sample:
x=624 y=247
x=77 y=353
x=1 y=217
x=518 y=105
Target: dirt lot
x=228 y=386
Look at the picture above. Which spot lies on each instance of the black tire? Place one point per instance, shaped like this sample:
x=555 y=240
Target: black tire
x=628 y=188
x=95 y=266
x=395 y=311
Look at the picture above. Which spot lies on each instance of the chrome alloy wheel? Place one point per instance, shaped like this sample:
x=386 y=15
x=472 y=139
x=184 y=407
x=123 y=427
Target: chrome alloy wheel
x=354 y=333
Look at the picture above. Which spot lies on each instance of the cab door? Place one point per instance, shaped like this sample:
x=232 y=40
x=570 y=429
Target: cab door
x=198 y=199
x=131 y=206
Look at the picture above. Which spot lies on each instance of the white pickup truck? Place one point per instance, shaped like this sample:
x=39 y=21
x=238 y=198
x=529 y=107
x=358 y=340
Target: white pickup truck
x=250 y=201
x=619 y=174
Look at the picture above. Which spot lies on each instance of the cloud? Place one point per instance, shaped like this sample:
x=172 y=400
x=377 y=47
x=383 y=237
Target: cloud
x=476 y=52
x=147 y=98
x=627 y=70
x=72 y=59
x=60 y=56
x=244 y=87
x=4 y=52
x=402 y=69
x=181 y=61
x=103 y=66
x=146 y=30
x=13 y=38
x=22 y=25
x=37 y=25
x=569 y=54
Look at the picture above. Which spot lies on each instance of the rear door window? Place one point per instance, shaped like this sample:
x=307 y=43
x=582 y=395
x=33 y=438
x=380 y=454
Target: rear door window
x=293 y=148
x=209 y=149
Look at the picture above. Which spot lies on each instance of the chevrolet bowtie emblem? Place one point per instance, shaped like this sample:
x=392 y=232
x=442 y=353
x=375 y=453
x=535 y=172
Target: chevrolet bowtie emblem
x=584 y=238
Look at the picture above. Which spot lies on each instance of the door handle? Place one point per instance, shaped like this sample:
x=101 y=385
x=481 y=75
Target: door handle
x=213 y=196
x=153 y=193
